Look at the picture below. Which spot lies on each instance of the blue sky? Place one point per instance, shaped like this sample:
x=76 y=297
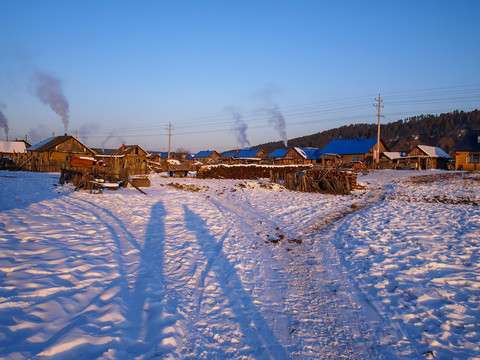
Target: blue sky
x=128 y=68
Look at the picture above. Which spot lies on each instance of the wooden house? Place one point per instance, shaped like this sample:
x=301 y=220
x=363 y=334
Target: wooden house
x=52 y=154
x=249 y=156
x=11 y=153
x=467 y=155
x=423 y=157
x=392 y=160
x=355 y=151
x=127 y=160
x=207 y=156
x=228 y=157
x=295 y=155
x=277 y=156
x=304 y=155
x=163 y=155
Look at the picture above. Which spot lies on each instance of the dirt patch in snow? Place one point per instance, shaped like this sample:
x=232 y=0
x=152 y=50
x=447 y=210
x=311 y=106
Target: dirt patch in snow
x=188 y=187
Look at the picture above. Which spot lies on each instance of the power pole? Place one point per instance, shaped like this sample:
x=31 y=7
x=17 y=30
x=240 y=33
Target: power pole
x=379 y=106
x=169 y=138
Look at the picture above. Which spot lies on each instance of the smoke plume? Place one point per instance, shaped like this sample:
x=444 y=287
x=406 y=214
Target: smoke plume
x=111 y=135
x=3 y=120
x=39 y=133
x=278 y=121
x=239 y=128
x=49 y=91
x=86 y=130
x=275 y=117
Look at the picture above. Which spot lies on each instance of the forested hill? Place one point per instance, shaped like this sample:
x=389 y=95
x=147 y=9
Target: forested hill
x=444 y=131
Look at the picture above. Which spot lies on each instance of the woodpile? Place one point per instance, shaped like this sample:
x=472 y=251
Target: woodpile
x=324 y=181
x=246 y=172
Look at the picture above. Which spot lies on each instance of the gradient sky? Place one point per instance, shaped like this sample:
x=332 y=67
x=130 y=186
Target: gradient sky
x=129 y=68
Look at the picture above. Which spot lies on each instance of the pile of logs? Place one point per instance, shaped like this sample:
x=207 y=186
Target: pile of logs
x=245 y=172
x=325 y=181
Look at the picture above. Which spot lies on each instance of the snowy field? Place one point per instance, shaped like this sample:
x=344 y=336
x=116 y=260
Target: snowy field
x=223 y=269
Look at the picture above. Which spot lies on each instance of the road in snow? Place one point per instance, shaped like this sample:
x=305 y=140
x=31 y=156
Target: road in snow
x=213 y=269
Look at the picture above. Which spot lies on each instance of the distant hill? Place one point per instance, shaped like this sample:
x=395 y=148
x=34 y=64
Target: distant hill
x=443 y=131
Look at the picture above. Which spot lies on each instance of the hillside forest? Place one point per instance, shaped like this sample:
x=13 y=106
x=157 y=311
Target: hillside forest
x=444 y=131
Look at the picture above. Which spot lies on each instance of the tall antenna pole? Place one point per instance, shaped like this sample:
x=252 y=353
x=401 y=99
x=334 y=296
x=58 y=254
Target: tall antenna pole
x=169 y=138
x=379 y=106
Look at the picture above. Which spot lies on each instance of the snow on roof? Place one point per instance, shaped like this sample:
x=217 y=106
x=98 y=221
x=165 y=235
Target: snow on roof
x=349 y=147
x=12 y=146
x=393 y=155
x=40 y=144
x=433 y=151
x=309 y=153
x=278 y=153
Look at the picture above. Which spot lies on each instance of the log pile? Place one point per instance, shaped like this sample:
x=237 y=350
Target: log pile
x=246 y=172
x=325 y=181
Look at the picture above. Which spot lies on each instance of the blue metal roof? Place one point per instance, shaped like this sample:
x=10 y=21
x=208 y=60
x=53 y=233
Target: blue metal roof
x=247 y=153
x=309 y=153
x=229 y=154
x=204 y=153
x=278 y=153
x=349 y=147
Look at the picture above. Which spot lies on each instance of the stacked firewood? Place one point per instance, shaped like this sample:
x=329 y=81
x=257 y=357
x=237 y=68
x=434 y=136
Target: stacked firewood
x=325 y=181
x=244 y=172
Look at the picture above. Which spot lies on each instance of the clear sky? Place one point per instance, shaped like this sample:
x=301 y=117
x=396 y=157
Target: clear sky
x=229 y=73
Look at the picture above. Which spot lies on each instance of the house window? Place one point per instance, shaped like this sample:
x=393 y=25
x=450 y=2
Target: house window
x=473 y=158
x=356 y=158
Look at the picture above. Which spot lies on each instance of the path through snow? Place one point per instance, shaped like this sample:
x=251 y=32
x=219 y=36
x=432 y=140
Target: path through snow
x=237 y=270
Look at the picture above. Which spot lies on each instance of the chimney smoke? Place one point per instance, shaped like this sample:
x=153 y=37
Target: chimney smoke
x=49 y=91
x=4 y=123
x=239 y=128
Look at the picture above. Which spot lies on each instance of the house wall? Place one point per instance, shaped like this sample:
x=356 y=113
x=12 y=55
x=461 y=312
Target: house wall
x=462 y=161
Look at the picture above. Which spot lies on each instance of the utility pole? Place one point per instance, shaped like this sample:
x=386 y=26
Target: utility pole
x=169 y=138
x=379 y=106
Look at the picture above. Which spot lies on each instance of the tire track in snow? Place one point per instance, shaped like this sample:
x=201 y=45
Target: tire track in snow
x=321 y=321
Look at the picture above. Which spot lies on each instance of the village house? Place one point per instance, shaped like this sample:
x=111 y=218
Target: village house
x=295 y=155
x=467 y=156
x=228 y=157
x=277 y=156
x=53 y=154
x=207 y=156
x=304 y=155
x=249 y=156
x=354 y=151
x=423 y=157
x=11 y=152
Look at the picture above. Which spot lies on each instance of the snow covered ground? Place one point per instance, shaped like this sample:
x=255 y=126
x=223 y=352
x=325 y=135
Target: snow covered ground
x=214 y=269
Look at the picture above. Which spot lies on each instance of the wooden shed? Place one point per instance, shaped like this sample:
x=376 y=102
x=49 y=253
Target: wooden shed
x=423 y=157
x=52 y=154
x=131 y=159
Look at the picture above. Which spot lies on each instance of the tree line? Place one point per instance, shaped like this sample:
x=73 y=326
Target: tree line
x=444 y=131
